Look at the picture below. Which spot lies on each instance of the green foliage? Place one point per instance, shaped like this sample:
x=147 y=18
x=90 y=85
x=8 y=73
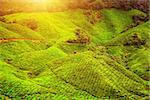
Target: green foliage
x=142 y=31
x=94 y=75
x=38 y=62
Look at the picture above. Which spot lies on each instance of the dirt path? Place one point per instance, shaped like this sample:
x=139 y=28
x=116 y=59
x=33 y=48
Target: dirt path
x=17 y=39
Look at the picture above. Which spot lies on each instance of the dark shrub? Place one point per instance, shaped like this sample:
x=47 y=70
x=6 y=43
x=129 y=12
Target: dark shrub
x=2 y=19
x=82 y=38
x=32 y=24
x=142 y=5
x=140 y=19
x=93 y=16
x=135 y=41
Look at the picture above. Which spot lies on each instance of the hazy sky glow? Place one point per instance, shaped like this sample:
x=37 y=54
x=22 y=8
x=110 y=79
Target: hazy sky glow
x=39 y=0
x=24 y=0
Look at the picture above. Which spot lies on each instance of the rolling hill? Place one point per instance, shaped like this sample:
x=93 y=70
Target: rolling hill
x=75 y=54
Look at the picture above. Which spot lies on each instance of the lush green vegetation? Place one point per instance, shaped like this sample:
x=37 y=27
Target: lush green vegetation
x=75 y=54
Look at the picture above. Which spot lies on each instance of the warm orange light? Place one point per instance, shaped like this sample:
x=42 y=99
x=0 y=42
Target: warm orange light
x=40 y=1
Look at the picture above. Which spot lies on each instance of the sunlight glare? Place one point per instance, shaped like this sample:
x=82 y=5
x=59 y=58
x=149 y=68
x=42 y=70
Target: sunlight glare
x=40 y=1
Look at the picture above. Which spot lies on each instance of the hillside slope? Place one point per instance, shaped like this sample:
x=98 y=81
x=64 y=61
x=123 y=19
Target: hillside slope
x=79 y=55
